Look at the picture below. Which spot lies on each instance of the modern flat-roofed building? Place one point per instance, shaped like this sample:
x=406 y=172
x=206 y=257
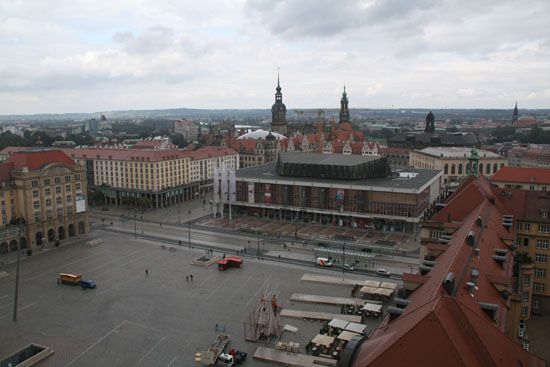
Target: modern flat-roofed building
x=453 y=161
x=350 y=190
x=534 y=179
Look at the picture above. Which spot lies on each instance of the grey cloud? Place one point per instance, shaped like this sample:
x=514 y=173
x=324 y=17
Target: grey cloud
x=152 y=40
x=158 y=39
x=298 y=18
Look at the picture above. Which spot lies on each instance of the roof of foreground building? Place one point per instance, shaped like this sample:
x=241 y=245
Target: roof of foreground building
x=448 y=322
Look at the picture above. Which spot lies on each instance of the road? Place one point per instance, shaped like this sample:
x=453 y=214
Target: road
x=233 y=242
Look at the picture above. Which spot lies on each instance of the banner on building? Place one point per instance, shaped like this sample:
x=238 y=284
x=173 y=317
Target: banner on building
x=251 y=192
x=340 y=197
x=216 y=184
x=232 y=185
x=80 y=203
x=224 y=185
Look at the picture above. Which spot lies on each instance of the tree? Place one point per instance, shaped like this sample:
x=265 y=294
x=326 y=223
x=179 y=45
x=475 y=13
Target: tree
x=179 y=140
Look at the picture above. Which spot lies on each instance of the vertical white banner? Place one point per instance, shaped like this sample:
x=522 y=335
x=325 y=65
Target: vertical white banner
x=232 y=185
x=251 y=192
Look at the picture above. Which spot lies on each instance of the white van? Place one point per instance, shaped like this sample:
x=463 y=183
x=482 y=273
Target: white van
x=323 y=261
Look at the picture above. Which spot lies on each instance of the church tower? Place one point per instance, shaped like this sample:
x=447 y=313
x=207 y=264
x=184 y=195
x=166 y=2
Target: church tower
x=344 y=111
x=278 y=112
x=515 y=115
x=430 y=123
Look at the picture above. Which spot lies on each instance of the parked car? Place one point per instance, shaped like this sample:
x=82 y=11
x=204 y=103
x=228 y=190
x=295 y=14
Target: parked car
x=87 y=284
x=349 y=267
x=383 y=273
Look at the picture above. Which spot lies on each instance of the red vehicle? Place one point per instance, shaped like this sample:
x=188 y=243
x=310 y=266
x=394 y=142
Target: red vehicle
x=230 y=262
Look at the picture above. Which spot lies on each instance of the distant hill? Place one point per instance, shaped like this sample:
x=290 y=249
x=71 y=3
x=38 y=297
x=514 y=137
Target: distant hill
x=244 y=114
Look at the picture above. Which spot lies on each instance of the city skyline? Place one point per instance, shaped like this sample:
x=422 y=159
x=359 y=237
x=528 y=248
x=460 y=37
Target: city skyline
x=81 y=57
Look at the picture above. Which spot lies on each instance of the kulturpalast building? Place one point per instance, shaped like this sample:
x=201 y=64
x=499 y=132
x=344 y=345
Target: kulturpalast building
x=352 y=190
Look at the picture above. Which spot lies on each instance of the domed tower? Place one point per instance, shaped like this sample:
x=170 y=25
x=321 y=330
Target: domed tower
x=344 y=111
x=430 y=123
x=278 y=111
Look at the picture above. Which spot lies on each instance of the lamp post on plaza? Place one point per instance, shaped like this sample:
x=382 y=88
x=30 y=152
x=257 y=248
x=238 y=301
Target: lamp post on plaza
x=189 y=228
x=135 y=225
x=15 y=298
x=179 y=218
x=258 y=232
x=343 y=258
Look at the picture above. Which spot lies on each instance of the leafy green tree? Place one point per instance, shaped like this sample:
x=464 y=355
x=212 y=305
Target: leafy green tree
x=179 y=140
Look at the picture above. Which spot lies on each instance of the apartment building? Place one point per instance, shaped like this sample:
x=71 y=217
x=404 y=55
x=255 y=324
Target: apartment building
x=161 y=177
x=523 y=178
x=43 y=199
x=531 y=211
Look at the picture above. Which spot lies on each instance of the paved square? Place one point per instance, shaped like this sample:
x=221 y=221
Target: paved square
x=136 y=320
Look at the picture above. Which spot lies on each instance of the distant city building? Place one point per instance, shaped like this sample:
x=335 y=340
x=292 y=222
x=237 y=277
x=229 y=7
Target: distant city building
x=431 y=138
x=352 y=191
x=515 y=114
x=344 y=110
x=43 y=199
x=161 y=176
x=104 y=124
x=257 y=147
x=533 y=179
x=468 y=303
x=278 y=112
x=154 y=143
x=453 y=161
x=188 y=129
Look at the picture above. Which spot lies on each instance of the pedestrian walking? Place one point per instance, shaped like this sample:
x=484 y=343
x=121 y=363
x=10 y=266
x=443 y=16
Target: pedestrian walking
x=187 y=278
x=216 y=328
x=191 y=276
x=146 y=272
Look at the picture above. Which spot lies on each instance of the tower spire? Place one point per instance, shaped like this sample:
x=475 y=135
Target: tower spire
x=278 y=85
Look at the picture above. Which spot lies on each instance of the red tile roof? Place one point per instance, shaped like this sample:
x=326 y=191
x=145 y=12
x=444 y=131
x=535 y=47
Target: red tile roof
x=11 y=150
x=523 y=175
x=210 y=152
x=5 y=171
x=39 y=159
x=441 y=328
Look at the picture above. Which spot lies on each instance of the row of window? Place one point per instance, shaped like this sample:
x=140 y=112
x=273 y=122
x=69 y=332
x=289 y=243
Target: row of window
x=58 y=201
x=48 y=191
x=543 y=228
x=49 y=214
x=460 y=167
x=541 y=258
x=57 y=180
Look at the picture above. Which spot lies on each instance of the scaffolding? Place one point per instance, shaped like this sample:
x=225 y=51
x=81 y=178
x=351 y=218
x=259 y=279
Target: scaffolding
x=263 y=322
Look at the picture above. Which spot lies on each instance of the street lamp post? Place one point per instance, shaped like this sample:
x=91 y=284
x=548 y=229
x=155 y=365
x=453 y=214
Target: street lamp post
x=258 y=232
x=135 y=225
x=179 y=218
x=343 y=258
x=189 y=228
x=15 y=298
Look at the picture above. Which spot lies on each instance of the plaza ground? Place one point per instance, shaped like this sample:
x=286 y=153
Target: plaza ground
x=136 y=320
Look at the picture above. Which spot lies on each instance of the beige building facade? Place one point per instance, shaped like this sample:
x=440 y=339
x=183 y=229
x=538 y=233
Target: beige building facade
x=43 y=200
x=453 y=162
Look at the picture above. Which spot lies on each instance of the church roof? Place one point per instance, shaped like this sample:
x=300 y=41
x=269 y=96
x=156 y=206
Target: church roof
x=261 y=135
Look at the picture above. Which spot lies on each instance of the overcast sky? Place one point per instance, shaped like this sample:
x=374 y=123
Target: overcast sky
x=91 y=55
